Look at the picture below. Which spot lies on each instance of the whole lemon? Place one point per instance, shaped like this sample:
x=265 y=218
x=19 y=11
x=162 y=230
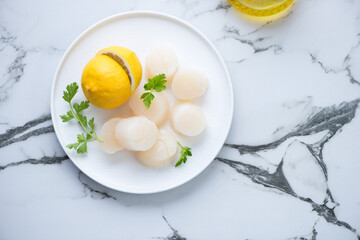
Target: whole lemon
x=109 y=79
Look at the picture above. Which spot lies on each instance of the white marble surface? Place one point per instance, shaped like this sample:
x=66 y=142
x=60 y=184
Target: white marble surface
x=290 y=166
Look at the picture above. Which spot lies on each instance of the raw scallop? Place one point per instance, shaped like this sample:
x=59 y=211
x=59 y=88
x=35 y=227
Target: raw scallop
x=107 y=135
x=189 y=84
x=158 y=111
x=187 y=119
x=161 y=59
x=161 y=153
x=136 y=133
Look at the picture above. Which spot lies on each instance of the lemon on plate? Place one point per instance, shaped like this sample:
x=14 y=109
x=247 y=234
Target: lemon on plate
x=111 y=77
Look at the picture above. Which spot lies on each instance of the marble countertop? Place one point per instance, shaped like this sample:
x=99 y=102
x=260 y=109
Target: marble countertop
x=289 y=168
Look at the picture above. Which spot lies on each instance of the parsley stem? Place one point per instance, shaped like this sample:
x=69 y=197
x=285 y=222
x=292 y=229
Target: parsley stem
x=179 y=144
x=82 y=125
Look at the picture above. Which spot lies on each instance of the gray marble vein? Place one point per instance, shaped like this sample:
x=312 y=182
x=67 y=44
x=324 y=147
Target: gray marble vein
x=46 y=160
x=347 y=66
x=14 y=73
x=234 y=33
x=311 y=236
x=15 y=70
x=331 y=118
x=92 y=190
x=222 y=6
x=278 y=181
x=97 y=194
x=175 y=234
x=5 y=38
x=317 y=61
x=37 y=132
x=8 y=137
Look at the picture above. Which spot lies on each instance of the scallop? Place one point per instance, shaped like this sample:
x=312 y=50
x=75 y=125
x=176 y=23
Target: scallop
x=189 y=84
x=161 y=59
x=107 y=135
x=158 y=111
x=161 y=153
x=136 y=133
x=187 y=119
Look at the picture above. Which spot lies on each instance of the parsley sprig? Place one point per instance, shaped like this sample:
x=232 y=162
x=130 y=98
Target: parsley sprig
x=75 y=113
x=185 y=152
x=155 y=84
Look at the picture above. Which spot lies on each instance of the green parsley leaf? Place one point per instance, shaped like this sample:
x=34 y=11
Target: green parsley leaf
x=157 y=83
x=82 y=106
x=81 y=138
x=185 y=152
x=88 y=136
x=71 y=91
x=68 y=117
x=70 y=114
x=147 y=98
x=92 y=124
x=73 y=145
x=82 y=149
x=82 y=119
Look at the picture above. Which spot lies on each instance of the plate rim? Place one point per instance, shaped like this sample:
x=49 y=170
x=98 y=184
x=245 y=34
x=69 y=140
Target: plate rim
x=169 y=18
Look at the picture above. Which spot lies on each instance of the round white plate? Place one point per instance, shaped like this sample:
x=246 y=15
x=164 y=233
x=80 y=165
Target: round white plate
x=139 y=31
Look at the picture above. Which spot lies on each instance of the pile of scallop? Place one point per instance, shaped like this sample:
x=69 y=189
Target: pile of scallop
x=144 y=133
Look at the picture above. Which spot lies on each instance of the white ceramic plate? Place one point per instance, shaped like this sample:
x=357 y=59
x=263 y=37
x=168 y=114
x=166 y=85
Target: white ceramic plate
x=139 y=31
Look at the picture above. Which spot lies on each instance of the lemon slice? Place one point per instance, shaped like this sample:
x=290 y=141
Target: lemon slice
x=128 y=60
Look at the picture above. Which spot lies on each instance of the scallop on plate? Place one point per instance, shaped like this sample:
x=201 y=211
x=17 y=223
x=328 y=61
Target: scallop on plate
x=150 y=166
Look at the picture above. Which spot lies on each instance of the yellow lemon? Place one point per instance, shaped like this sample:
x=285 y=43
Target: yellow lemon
x=110 y=78
x=128 y=61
